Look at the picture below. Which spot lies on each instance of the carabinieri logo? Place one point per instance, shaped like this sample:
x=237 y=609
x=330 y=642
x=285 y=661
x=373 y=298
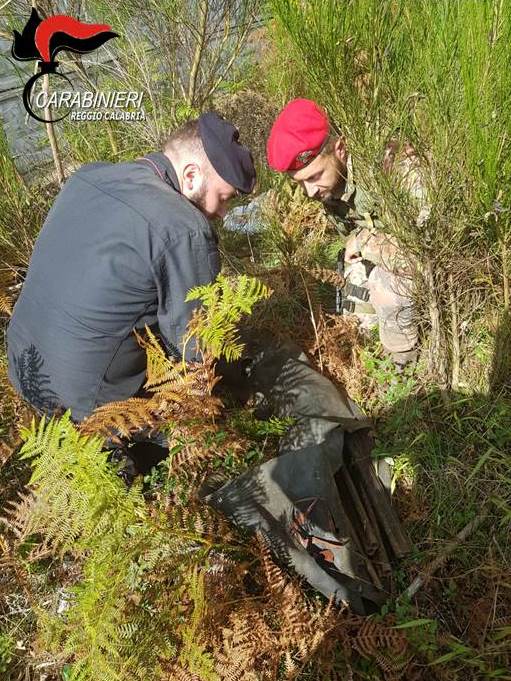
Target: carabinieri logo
x=43 y=39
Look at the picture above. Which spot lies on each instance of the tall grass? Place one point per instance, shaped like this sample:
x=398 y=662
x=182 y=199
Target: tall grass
x=436 y=75
x=22 y=208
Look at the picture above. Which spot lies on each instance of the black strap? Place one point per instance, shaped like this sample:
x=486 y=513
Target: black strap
x=369 y=267
x=356 y=292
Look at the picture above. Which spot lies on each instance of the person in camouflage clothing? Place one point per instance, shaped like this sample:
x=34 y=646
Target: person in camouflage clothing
x=378 y=285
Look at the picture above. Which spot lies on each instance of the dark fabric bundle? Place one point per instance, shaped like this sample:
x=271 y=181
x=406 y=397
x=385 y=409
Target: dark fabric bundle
x=320 y=504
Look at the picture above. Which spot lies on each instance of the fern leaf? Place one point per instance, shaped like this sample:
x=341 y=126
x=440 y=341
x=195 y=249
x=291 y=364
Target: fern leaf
x=327 y=276
x=223 y=304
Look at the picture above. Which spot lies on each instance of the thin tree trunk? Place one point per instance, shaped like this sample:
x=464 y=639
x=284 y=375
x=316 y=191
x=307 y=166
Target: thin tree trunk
x=50 y=131
x=437 y=351
x=505 y=275
x=52 y=138
x=456 y=351
x=199 y=49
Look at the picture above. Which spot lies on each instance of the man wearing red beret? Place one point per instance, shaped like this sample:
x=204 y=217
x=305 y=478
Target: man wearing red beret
x=302 y=145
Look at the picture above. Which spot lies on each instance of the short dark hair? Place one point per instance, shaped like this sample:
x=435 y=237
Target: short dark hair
x=187 y=135
x=329 y=145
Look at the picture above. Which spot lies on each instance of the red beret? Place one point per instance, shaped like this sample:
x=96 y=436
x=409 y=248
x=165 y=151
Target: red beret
x=297 y=135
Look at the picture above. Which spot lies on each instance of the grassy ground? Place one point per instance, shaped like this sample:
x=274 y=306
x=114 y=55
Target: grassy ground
x=452 y=458
x=451 y=455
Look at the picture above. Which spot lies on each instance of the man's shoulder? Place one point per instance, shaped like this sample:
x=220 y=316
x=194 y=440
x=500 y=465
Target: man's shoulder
x=135 y=187
x=354 y=210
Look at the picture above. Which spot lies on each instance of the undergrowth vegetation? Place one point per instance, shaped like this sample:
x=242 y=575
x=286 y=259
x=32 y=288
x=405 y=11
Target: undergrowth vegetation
x=99 y=582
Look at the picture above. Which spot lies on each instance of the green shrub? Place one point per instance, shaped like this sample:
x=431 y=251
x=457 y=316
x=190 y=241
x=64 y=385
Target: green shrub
x=6 y=652
x=436 y=75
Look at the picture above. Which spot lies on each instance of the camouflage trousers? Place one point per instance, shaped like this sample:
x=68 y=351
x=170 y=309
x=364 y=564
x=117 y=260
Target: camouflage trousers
x=389 y=305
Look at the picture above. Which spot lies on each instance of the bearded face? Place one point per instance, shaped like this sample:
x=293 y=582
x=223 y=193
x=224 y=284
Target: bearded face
x=324 y=178
x=211 y=194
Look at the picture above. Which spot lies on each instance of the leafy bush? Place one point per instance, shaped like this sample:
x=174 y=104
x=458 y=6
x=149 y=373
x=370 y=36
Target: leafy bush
x=22 y=208
x=433 y=81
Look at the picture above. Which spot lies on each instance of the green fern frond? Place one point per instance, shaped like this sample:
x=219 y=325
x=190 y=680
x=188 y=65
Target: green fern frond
x=157 y=360
x=120 y=610
x=194 y=655
x=223 y=304
x=69 y=514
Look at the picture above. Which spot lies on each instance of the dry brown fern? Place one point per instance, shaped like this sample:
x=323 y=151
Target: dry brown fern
x=327 y=276
x=373 y=636
x=19 y=515
x=120 y=419
x=177 y=393
x=7 y=291
x=274 y=576
x=223 y=578
x=501 y=622
x=393 y=668
x=192 y=398
x=258 y=622
x=234 y=660
x=193 y=445
x=303 y=220
x=6 y=304
x=178 y=673
x=4 y=546
x=200 y=520
x=5 y=453
x=337 y=343
x=386 y=645
x=243 y=640
x=14 y=412
x=158 y=363
x=291 y=668
x=296 y=619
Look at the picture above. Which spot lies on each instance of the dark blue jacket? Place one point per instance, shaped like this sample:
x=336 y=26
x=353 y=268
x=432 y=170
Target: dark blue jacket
x=119 y=249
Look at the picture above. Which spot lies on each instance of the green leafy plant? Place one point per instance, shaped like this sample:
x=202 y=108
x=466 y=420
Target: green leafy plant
x=6 y=652
x=115 y=626
x=223 y=304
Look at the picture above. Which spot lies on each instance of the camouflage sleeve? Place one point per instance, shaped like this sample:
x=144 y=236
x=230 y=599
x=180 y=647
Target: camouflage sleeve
x=369 y=237
x=380 y=249
x=371 y=241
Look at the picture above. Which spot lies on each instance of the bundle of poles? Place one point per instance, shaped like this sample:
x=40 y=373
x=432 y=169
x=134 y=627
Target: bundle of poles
x=370 y=518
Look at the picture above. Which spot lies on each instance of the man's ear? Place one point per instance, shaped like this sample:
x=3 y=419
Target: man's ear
x=340 y=150
x=191 y=176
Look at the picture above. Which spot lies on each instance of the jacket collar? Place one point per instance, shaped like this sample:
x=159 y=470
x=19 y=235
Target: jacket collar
x=164 y=168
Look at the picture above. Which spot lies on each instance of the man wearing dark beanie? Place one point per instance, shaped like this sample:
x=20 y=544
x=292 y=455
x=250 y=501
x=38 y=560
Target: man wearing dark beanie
x=120 y=248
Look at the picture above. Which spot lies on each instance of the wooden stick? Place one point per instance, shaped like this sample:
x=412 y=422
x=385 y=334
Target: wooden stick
x=420 y=581
x=371 y=574
x=52 y=138
x=381 y=559
x=456 y=350
x=368 y=537
x=359 y=446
